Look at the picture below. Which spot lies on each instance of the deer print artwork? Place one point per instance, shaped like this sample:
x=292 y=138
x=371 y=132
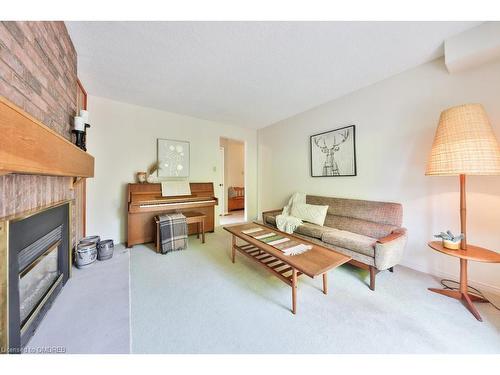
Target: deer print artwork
x=333 y=153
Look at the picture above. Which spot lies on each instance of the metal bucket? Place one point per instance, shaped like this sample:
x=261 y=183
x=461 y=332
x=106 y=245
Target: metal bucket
x=105 y=250
x=86 y=254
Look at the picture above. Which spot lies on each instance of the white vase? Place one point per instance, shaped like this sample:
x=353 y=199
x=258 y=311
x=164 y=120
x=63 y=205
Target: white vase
x=152 y=179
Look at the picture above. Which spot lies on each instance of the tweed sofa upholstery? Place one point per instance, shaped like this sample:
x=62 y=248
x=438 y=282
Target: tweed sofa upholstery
x=367 y=231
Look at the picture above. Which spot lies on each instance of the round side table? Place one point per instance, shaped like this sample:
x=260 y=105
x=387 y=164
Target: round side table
x=474 y=253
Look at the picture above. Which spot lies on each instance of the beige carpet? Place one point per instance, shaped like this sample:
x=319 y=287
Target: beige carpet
x=91 y=315
x=197 y=301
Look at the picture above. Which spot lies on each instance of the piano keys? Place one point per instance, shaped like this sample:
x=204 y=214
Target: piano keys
x=145 y=201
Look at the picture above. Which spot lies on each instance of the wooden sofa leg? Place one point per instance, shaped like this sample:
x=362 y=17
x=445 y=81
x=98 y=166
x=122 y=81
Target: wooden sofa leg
x=372 y=277
x=391 y=269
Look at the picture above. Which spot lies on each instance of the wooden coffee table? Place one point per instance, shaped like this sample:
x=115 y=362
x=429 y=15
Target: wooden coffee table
x=317 y=261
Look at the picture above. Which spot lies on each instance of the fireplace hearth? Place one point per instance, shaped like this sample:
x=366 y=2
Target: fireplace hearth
x=36 y=248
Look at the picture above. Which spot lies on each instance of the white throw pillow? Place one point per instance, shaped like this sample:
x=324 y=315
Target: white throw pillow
x=310 y=212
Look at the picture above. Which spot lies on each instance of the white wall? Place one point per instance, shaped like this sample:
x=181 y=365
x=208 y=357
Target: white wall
x=123 y=141
x=395 y=123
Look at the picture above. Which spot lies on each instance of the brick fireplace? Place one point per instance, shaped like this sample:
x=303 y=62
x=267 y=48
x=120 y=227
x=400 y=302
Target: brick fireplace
x=38 y=75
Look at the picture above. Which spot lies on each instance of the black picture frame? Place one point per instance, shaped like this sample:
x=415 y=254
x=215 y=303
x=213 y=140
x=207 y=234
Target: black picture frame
x=331 y=173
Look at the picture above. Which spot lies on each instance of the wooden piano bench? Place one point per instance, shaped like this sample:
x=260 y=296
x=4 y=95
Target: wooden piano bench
x=192 y=217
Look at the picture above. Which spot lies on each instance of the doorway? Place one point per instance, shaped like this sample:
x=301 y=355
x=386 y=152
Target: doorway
x=232 y=181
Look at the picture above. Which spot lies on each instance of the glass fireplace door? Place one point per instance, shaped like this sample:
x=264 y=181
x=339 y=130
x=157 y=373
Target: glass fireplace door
x=36 y=280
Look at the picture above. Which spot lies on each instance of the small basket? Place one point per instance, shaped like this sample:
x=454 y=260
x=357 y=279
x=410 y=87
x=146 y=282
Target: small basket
x=105 y=250
x=451 y=245
x=86 y=254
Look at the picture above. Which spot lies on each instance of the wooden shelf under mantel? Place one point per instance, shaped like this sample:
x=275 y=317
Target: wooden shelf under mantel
x=29 y=147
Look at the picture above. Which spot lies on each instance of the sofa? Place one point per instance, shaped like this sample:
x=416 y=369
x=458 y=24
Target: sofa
x=369 y=232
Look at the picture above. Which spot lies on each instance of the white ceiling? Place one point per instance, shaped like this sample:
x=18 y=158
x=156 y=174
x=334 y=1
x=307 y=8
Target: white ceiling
x=248 y=73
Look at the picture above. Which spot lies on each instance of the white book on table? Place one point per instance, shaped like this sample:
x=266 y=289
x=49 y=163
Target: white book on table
x=281 y=240
x=251 y=230
x=265 y=236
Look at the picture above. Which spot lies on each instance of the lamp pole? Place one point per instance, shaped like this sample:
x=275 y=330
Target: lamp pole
x=463 y=213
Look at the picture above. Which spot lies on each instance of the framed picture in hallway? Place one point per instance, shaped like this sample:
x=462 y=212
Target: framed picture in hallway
x=173 y=158
x=333 y=153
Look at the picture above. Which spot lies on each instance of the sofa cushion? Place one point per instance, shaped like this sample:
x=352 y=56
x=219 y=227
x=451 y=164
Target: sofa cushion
x=306 y=229
x=378 y=212
x=349 y=240
x=312 y=230
x=310 y=212
x=364 y=227
x=353 y=254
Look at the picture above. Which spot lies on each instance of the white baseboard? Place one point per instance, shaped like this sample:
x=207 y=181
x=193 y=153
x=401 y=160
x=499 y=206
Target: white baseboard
x=444 y=275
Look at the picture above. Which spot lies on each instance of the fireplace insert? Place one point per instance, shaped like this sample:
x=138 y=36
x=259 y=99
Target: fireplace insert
x=38 y=252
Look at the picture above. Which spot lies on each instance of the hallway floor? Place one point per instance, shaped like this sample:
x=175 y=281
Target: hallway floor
x=233 y=217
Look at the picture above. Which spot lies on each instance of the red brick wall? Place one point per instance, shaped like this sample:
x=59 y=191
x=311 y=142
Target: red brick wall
x=37 y=73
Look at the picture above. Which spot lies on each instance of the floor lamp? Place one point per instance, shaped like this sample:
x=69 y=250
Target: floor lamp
x=464 y=144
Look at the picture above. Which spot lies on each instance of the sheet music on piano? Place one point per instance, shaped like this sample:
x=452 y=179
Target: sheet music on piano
x=175 y=188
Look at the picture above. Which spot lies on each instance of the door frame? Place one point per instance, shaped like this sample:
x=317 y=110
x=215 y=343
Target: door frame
x=245 y=176
x=222 y=184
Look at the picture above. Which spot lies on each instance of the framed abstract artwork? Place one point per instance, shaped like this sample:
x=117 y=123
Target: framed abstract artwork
x=173 y=158
x=333 y=153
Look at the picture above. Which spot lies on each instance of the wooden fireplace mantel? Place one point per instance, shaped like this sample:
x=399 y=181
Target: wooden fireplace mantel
x=29 y=147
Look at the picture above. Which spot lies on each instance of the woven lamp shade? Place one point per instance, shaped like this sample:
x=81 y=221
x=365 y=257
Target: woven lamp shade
x=464 y=144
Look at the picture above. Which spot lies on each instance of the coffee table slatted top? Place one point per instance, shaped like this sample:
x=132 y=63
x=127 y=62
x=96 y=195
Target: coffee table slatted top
x=313 y=262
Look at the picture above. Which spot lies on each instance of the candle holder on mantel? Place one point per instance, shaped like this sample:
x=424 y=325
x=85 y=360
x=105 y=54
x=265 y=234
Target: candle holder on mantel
x=81 y=137
x=80 y=124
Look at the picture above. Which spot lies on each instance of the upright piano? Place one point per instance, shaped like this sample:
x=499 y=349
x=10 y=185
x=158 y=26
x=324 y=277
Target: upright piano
x=145 y=201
